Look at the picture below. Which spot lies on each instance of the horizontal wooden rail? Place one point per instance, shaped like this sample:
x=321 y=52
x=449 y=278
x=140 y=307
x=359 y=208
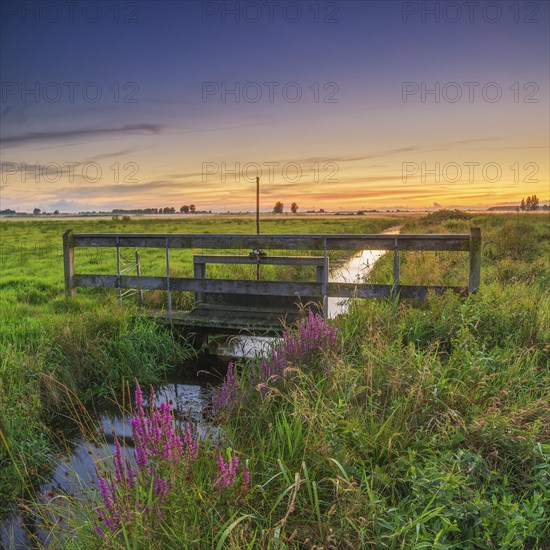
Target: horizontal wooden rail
x=279 y=242
x=219 y=286
x=262 y=288
x=315 y=261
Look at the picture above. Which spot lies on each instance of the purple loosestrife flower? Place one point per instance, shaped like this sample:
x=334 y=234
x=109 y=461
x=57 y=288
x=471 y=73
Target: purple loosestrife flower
x=191 y=444
x=154 y=435
x=157 y=446
x=160 y=487
x=225 y=397
x=313 y=338
x=110 y=514
x=227 y=472
x=120 y=470
x=138 y=399
x=105 y=492
x=224 y=474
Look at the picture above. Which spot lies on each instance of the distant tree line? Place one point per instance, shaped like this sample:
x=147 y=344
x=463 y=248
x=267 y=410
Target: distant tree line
x=186 y=209
x=530 y=204
x=36 y=212
x=134 y=211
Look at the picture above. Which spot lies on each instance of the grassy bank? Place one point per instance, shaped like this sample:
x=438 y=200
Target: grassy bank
x=398 y=426
x=50 y=348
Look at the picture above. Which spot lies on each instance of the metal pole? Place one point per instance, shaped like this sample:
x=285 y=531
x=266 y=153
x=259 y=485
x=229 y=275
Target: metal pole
x=257 y=206
x=168 y=282
x=138 y=273
x=258 y=223
x=118 y=272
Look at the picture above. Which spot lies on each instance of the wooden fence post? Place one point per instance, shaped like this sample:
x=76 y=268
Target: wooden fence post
x=475 y=260
x=325 y=280
x=68 y=262
x=199 y=272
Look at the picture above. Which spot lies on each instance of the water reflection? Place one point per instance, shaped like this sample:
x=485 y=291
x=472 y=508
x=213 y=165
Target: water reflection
x=356 y=270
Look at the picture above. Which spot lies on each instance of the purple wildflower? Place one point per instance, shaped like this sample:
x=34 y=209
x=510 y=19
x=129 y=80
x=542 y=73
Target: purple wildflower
x=191 y=444
x=312 y=339
x=160 y=487
x=157 y=446
x=227 y=471
x=224 y=398
x=154 y=435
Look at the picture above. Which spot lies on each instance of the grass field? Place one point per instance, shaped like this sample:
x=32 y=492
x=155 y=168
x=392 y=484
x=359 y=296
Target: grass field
x=397 y=426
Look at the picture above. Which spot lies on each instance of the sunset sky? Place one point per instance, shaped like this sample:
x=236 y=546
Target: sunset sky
x=130 y=105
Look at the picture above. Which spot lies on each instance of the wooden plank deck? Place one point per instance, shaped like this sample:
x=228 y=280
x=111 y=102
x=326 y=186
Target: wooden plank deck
x=231 y=318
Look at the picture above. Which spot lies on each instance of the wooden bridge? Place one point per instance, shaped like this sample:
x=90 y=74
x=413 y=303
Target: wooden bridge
x=230 y=305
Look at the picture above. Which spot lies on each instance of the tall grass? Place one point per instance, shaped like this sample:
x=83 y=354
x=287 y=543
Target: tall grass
x=379 y=440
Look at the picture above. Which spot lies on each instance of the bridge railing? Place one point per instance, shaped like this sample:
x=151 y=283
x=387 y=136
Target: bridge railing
x=199 y=284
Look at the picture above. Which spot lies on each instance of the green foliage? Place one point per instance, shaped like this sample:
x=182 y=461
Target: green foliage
x=518 y=241
x=440 y=216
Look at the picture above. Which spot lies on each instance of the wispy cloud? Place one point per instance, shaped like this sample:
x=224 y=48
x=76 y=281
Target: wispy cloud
x=114 y=154
x=34 y=137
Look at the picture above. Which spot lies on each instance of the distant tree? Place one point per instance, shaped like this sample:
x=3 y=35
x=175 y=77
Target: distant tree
x=184 y=209
x=530 y=204
x=294 y=208
x=36 y=211
x=55 y=212
x=278 y=208
x=322 y=210
x=192 y=208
